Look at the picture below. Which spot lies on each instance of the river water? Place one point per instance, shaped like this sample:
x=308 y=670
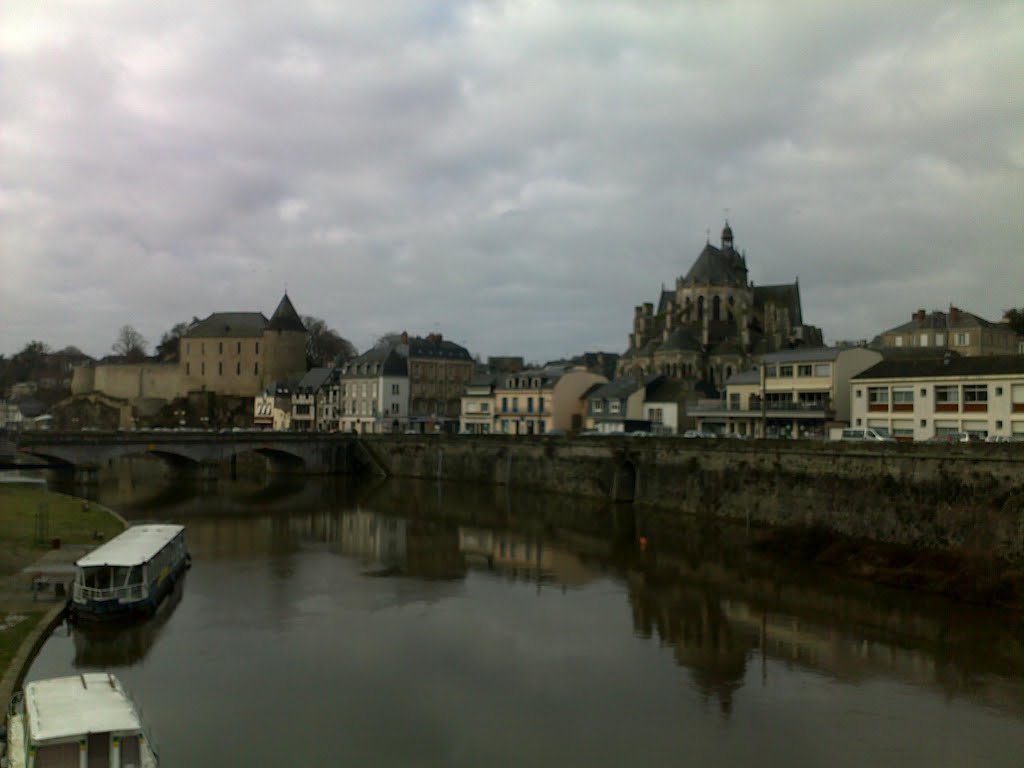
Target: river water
x=417 y=624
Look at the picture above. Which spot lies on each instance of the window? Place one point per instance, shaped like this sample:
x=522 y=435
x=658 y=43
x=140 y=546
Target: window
x=857 y=393
x=188 y=369
x=220 y=369
x=504 y=426
x=529 y=405
x=485 y=407
x=785 y=370
x=504 y=408
x=596 y=406
x=515 y=405
x=238 y=369
x=975 y=397
x=999 y=391
x=922 y=340
x=903 y=430
x=613 y=406
x=878 y=396
x=822 y=369
x=804 y=370
x=947 y=398
x=962 y=339
x=396 y=389
x=898 y=341
x=903 y=399
x=770 y=371
x=924 y=393
x=940 y=339
x=220 y=347
x=540 y=405
x=202 y=369
x=924 y=422
x=256 y=369
x=257 y=347
x=202 y=347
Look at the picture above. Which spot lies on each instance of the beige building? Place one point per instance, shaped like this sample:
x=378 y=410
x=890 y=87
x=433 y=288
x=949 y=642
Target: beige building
x=794 y=394
x=478 y=405
x=373 y=392
x=537 y=401
x=229 y=353
x=618 y=406
x=962 y=332
x=272 y=408
x=922 y=399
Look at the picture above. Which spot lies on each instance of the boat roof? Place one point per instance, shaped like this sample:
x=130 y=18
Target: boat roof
x=65 y=707
x=134 y=546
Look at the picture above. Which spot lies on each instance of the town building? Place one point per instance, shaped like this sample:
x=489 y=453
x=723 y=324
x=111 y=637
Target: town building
x=618 y=405
x=373 y=391
x=234 y=354
x=959 y=331
x=664 y=407
x=438 y=373
x=541 y=400
x=478 y=405
x=923 y=399
x=272 y=408
x=304 y=399
x=797 y=393
x=714 y=320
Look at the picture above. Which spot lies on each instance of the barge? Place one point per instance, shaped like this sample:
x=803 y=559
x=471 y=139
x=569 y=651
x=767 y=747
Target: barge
x=130 y=574
x=84 y=720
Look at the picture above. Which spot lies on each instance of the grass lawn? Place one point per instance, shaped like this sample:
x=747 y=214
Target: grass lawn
x=13 y=629
x=73 y=521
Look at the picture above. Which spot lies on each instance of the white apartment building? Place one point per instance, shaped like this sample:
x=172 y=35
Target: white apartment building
x=478 y=406
x=921 y=399
x=373 y=392
x=797 y=393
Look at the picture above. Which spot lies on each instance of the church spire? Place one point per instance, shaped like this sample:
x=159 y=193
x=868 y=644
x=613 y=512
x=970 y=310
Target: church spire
x=727 y=237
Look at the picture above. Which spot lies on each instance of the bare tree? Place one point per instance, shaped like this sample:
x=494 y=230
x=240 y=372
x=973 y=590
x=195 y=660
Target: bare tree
x=388 y=339
x=130 y=344
x=167 y=349
x=324 y=346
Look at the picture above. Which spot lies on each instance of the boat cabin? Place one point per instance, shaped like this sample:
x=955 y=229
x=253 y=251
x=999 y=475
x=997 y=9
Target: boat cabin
x=84 y=721
x=130 y=572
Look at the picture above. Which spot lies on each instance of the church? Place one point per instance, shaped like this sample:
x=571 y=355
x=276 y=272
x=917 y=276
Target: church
x=715 y=321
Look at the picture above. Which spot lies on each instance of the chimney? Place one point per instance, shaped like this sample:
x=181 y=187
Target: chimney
x=954 y=314
x=405 y=337
x=919 y=315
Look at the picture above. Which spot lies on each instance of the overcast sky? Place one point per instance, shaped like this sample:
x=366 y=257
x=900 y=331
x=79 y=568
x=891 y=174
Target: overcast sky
x=517 y=175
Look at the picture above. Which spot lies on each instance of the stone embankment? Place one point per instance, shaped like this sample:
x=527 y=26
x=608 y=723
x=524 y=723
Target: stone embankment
x=964 y=499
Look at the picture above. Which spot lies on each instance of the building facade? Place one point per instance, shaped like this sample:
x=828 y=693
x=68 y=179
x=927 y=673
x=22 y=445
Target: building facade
x=373 y=392
x=541 y=400
x=797 y=393
x=956 y=330
x=713 y=321
x=438 y=373
x=924 y=399
x=478 y=405
x=305 y=396
x=618 y=406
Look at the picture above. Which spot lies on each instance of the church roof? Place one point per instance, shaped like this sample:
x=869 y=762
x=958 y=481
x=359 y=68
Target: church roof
x=285 y=318
x=718 y=266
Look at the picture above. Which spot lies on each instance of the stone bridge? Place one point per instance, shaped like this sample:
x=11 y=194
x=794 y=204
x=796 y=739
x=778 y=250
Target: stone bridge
x=201 y=452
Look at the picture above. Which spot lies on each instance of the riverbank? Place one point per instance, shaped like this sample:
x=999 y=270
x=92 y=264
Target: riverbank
x=964 y=576
x=38 y=529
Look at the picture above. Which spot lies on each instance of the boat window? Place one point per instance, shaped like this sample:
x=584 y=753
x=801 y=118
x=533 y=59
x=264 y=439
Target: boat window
x=99 y=750
x=57 y=756
x=131 y=756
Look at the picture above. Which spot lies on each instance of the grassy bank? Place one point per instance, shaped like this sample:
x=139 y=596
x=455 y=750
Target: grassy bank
x=71 y=520
x=14 y=628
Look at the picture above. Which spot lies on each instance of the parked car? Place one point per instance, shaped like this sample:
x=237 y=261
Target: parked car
x=868 y=433
x=997 y=439
x=698 y=433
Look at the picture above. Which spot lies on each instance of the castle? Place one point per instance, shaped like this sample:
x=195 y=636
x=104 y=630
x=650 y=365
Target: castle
x=711 y=324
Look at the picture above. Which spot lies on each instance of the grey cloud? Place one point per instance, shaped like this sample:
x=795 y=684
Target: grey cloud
x=519 y=174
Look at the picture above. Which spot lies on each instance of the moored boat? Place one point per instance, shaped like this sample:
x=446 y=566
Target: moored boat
x=130 y=574
x=83 y=720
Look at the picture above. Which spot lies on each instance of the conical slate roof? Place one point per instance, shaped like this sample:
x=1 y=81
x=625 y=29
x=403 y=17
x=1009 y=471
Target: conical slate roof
x=718 y=267
x=285 y=318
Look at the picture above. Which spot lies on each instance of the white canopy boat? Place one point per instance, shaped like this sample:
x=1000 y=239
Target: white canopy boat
x=83 y=721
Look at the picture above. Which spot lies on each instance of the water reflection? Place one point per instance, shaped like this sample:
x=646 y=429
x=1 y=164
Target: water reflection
x=729 y=618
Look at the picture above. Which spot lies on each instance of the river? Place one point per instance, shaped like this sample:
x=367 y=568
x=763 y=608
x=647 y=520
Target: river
x=418 y=624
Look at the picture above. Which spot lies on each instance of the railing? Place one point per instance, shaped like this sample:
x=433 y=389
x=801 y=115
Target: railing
x=755 y=408
x=131 y=592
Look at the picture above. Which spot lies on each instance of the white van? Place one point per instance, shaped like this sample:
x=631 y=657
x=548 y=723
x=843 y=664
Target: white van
x=867 y=433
